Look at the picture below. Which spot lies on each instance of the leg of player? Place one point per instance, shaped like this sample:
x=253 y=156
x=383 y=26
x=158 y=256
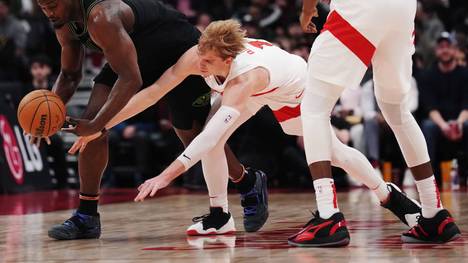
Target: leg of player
x=436 y=224
x=252 y=185
x=85 y=222
x=218 y=220
x=356 y=165
x=392 y=78
x=328 y=224
x=215 y=170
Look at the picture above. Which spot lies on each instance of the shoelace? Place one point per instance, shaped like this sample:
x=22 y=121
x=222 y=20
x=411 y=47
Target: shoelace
x=315 y=216
x=200 y=218
x=250 y=210
x=76 y=220
x=68 y=223
x=418 y=217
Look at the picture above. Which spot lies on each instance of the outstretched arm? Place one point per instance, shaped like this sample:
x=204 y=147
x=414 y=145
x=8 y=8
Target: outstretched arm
x=235 y=97
x=185 y=66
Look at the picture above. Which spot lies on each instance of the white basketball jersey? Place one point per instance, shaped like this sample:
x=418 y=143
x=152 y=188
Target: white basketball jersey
x=288 y=77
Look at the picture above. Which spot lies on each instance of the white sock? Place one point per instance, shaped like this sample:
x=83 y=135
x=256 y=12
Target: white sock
x=325 y=193
x=382 y=192
x=429 y=196
x=220 y=201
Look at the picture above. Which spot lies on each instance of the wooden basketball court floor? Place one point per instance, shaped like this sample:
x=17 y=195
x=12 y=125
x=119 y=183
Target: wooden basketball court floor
x=154 y=231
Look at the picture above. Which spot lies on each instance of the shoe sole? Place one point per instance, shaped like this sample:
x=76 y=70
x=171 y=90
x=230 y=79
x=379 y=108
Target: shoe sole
x=267 y=214
x=258 y=227
x=213 y=233
x=341 y=243
x=412 y=240
x=58 y=235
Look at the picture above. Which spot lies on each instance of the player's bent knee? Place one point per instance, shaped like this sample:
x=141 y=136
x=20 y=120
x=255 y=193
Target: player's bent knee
x=395 y=114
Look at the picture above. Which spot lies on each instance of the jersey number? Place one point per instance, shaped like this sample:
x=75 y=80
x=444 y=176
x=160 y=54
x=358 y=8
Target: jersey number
x=259 y=44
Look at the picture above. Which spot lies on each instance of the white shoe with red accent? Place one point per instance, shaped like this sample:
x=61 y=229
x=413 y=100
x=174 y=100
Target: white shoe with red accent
x=217 y=222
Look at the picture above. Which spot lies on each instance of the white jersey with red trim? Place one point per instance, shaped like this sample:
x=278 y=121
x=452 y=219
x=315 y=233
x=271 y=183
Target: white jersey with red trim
x=288 y=76
x=287 y=73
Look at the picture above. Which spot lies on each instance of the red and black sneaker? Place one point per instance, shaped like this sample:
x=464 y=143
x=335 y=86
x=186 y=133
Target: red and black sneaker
x=439 y=229
x=319 y=232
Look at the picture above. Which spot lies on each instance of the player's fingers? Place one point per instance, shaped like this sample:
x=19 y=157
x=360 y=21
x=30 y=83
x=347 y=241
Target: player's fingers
x=137 y=198
x=38 y=141
x=147 y=191
x=142 y=189
x=71 y=121
x=142 y=186
x=308 y=29
x=74 y=147
x=70 y=128
x=47 y=139
x=141 y=196
x=83 y=146
x=154 y=190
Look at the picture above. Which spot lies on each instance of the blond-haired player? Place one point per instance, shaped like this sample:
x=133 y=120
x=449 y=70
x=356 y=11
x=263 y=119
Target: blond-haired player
x=356 y=34
x=250 y=74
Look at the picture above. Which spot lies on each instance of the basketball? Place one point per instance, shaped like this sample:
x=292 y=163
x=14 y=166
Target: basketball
x=41 y=113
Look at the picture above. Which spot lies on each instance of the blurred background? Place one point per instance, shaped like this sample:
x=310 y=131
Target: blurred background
x=142 y=146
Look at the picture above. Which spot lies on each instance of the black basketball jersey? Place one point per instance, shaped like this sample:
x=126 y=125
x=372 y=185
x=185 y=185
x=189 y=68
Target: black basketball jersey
x=149 y=15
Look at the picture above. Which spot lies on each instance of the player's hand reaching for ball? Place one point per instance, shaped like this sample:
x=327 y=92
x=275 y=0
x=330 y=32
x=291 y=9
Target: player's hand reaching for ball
x=37 y=140
x=151 y=186
x=82 y=141
x=81 y=127
x=306 y=20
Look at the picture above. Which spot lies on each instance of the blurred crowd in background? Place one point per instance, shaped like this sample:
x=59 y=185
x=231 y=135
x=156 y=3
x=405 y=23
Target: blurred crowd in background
x=144 y=145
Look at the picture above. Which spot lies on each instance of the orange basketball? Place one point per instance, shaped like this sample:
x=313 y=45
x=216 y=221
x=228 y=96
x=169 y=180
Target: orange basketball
x=41 y=113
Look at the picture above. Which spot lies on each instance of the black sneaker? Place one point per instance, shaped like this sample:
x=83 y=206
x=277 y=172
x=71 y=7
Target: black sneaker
x=406 y=209
x=319 y=232
x=215 y=223
x=255 y=203
x=439 y=229
x=79 y=226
